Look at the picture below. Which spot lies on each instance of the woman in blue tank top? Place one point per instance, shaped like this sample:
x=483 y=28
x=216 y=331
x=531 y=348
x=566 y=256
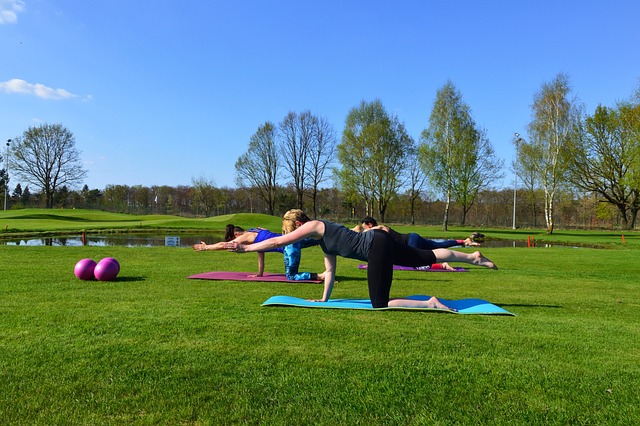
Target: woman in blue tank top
x=375 y=247
x=292 y=252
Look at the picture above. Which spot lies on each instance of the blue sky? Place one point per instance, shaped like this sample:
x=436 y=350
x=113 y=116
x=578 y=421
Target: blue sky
x=159 y=93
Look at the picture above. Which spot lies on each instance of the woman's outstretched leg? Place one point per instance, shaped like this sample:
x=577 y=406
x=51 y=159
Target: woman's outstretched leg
x=475 y=258
x=411 y=303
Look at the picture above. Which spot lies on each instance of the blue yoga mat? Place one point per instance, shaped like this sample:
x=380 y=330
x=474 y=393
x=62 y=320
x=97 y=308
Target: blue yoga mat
x=464 y=306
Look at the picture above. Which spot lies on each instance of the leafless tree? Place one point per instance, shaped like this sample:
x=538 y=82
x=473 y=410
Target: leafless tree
x=46 y=156
x=259 y=165
x=322 y=153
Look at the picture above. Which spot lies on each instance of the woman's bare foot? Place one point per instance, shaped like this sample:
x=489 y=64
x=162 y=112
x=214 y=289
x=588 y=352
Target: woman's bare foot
x=435 y=303
x=480 y=260
x=447 y=267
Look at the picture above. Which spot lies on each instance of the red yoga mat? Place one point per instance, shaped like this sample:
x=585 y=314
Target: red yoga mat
x=419 y=268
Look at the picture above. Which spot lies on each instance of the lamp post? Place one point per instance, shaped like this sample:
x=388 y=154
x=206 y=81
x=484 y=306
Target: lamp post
x=6 y=179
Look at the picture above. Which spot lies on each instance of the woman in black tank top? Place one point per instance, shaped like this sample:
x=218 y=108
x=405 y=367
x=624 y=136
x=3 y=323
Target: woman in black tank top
x=375 y=247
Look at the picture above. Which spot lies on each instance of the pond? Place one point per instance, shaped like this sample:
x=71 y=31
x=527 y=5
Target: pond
x=122 y=240
x=181 y=240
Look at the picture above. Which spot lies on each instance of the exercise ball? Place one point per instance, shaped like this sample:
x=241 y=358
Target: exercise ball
x=107 y=269
x=84 y=269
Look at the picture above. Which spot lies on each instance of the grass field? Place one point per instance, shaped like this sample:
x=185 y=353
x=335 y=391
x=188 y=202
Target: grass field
x=153 y=347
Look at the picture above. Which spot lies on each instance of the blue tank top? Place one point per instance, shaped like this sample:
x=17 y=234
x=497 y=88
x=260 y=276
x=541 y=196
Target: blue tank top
x=341 y=241
x=264 y=234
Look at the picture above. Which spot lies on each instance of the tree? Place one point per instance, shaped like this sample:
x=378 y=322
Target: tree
x=296 y=132
x=525 y=169
x=117 y=198
x=416 y=180
x=554 y=127
x=46 y=156
x=373 y=155
x=61 y=197
x=25 y=197
x=455 y=154
x=204 y=195
x=479 y=167
x=259 y=165
x=17 y=193
x=440 y=149
x=90 y=197
x=142 y=199
x=606 y=159
x=321 y=154
x=4 y=178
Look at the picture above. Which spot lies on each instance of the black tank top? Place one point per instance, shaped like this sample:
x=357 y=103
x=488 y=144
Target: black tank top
x=341 y=241
x=401 y=238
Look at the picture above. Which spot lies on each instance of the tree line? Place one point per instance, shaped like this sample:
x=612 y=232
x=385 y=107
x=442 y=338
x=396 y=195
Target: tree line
x=572 y=169
x=493 y=208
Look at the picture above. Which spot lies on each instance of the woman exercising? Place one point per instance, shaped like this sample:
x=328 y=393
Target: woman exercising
x=291 y=252
x=412 y=239
x=375 y=247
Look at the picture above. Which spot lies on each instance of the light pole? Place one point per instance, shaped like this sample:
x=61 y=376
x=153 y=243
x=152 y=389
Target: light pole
x=6 y=179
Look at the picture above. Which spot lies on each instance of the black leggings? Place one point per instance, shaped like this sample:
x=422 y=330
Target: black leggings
x=386 y=252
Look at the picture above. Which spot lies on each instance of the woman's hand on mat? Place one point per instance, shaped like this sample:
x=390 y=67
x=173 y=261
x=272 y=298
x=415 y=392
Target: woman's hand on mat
x=254 y=275
x=316 y=300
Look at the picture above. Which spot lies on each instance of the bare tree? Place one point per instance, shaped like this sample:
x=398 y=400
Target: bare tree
x=296 y=131
x=46 y=156
x=259 y=165
x=321 y=154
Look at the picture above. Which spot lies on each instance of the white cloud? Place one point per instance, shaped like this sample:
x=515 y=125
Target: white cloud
x=16 y=85
x=9 y=10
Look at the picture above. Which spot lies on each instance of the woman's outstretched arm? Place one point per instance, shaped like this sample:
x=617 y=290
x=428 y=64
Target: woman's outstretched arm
x=246 y=238
x=313 y=229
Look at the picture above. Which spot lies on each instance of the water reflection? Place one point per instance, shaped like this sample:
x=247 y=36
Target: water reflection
x=154 y=240
x=123 y=240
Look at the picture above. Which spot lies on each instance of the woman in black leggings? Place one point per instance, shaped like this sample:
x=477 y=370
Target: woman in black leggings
x=376 y=247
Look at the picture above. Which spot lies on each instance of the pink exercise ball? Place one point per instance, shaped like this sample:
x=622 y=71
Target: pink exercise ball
x=84 y=269
x=107 y=269
x=113 y=260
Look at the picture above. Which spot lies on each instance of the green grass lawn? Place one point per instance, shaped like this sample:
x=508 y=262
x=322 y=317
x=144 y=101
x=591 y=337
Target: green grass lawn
x=153 y=347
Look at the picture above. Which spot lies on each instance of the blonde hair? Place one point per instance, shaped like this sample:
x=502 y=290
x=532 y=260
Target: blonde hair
x=291 y=217
x=358 y=228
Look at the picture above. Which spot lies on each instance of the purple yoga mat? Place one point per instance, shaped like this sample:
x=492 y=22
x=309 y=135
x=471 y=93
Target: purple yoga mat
x=244 y=276
x=418 y=269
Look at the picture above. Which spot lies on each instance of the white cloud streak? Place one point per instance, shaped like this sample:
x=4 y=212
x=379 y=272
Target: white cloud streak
x=9 y=10
x=17 y=85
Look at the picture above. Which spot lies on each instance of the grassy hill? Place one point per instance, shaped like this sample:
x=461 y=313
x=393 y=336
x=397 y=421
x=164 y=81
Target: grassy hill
x=35 y=221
